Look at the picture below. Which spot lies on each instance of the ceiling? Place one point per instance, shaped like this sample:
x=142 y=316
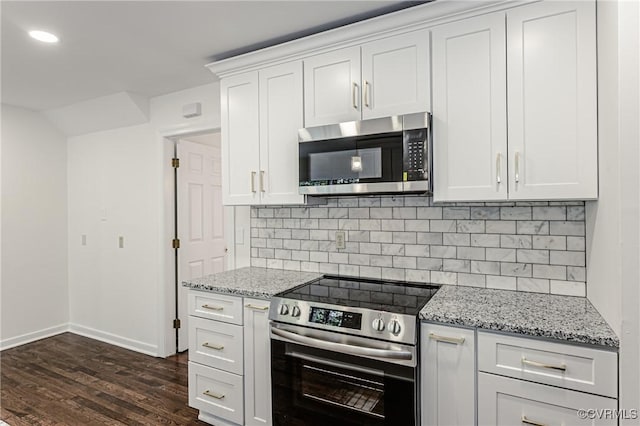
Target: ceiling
x=147 y=47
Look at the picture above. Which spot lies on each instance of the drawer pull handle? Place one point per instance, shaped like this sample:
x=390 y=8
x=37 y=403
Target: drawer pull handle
x=260 y=308
x=213 y=308
x=215 y=395
x=213 y=346
x=454 y=340
x=541 y=365
x=526 y=421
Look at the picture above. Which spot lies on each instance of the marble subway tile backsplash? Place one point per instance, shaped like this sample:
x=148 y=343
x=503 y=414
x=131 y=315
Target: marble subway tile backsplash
x=524 y=246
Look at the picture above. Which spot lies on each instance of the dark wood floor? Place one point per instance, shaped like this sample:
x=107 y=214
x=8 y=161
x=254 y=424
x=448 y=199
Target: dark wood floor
x=73 y=380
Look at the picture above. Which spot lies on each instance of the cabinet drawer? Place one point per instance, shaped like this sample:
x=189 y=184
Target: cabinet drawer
x=216 y=306
x=508 y=402
x=216 y=344
x=568 y=366
x=216 y=392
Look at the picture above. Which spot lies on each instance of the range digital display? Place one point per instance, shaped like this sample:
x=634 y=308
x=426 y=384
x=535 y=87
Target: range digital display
x=335 y=318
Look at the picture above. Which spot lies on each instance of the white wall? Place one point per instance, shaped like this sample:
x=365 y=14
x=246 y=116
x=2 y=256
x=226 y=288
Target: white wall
x=613 y=222
x=112 y=194
x=34 y=289
x=603 y=216
x=629 y=133
x=120 y=182
x=166 y=110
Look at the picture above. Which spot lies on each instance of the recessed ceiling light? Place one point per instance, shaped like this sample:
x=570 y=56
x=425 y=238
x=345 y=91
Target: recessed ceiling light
x=44 y=36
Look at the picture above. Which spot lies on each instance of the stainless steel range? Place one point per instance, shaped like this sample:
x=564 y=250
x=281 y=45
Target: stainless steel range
x=344 y=351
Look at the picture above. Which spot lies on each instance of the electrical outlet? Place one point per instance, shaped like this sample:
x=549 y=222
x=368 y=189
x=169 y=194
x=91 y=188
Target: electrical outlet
x=340 y=240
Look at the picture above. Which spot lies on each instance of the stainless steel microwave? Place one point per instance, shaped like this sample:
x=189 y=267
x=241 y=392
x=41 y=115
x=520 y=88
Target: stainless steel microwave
x=379 y=156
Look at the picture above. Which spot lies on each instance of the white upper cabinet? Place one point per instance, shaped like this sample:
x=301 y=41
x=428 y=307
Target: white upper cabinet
x=552 y=101
x=469 y=109
x=395 y=75
x=394 y=80
x=261 y=115
x=549 y=106
x=240 y=139
x=280 y=119
x=332 y=87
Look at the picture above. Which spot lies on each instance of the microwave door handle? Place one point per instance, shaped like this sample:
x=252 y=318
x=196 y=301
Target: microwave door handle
x=342 y=347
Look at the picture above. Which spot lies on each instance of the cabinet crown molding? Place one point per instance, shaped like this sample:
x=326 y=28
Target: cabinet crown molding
x=411 y=19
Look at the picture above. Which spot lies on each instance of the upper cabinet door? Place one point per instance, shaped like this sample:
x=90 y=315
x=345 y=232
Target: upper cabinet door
x=240 y=139
x=469 y=110
x=332 y=87
x=395 y=75
x=552 y=101
x=280 y=119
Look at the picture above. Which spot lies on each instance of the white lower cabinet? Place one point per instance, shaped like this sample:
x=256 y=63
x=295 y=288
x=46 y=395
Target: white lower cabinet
x=513 y=380
x=229 y=359
x=505 y=401
x=448 y=374
x=539 y=382
x=216 y=392
x=257 y=363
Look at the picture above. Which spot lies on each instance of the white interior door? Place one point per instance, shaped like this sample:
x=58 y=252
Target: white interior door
x=200 y=220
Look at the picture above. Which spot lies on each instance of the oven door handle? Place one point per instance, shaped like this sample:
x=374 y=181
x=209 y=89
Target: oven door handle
x=342 y=347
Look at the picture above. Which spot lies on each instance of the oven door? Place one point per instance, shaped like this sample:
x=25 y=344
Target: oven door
x=314 y=386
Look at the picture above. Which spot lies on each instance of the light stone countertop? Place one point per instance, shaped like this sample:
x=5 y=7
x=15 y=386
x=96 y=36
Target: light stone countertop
x=261 y=283
x=572 y=319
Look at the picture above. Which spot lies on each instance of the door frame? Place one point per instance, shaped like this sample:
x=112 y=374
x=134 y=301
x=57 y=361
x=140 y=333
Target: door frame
x=166 y=298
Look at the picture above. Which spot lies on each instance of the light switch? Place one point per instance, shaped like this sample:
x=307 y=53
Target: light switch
x=121 y=242
x=84 y=239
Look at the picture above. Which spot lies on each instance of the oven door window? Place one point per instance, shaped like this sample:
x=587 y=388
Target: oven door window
x=317 y=387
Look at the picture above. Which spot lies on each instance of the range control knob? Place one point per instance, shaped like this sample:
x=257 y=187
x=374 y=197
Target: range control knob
x=295 y=311
x=378 y=324
x=394 y=327
x=283 y=310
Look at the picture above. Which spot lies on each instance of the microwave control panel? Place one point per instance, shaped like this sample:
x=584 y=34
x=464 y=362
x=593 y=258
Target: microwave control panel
x=415 y=155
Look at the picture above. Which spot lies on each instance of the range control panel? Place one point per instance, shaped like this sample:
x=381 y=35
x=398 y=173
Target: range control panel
x=415 y=155
x=356 y=321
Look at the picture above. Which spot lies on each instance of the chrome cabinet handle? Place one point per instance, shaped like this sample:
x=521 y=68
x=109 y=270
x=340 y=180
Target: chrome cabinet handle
x=253 y=182
x=261 y=180
x=354 y=96
x=499 y=168
x=213 y=346
x=517 y=168
x=561 y=367
x=342 y=347
x=212 y=394
x=259 y=308
x=213 y=308
x=367 y=89
x=439 y=338
x=531 y=422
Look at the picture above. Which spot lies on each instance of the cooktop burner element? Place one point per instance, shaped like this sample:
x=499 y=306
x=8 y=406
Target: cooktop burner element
x=384 y=310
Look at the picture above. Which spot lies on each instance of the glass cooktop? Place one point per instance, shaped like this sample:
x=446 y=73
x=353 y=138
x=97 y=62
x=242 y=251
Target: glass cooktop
x=390 y=296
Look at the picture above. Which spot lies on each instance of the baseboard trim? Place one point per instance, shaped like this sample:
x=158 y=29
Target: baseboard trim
x=12 y=342
x=114 y=339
